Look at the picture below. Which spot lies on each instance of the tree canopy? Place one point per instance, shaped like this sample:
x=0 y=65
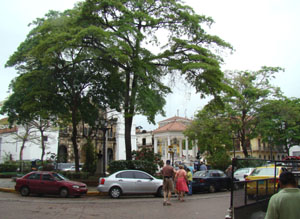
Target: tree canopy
x=112 y=53
x=146 y=40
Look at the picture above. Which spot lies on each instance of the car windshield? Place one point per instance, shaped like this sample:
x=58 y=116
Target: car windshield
x=59 y=177
x=264 y=172
x=200 y=173
x=244 y=170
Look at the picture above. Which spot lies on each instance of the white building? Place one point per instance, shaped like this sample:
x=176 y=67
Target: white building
x=11 y=143
x=170 y=141
x=120 y=150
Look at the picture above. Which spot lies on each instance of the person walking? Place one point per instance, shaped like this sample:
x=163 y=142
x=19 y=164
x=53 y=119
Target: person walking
x=190 y=181
x=181 y=183
x=202 y=166
x=285 y=203
x=168 y=175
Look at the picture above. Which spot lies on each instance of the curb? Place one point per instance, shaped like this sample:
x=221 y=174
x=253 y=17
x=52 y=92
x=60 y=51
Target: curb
x=89 y=193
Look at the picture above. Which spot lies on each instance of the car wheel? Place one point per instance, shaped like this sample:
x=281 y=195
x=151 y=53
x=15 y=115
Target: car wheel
x=24 y=191
x=115 y=192
x=63 y=193
x=160 y=192
x=212 y=189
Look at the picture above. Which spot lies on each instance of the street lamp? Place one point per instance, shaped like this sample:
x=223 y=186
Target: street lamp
x=234 y=136
x=105 y=125
x=270 y=139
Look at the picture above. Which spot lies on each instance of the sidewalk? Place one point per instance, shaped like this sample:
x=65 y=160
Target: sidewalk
x=8 y=185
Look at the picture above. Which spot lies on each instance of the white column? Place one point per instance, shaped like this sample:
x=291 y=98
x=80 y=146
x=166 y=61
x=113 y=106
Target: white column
x=187 y=148
x=155 y=145
x=166 y=149
x=180 y=149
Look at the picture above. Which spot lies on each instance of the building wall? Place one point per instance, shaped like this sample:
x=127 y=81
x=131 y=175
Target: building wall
x=261 y=150
x=10 y=144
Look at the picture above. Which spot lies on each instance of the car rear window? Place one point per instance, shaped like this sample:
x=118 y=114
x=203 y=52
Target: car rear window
x=127 y=174
x=200 y=173
x=264 y=172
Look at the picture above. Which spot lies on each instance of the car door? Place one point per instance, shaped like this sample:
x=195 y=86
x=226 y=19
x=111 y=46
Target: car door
x=48 y=184
x=215 y=179
x=126 y=180
x=33 y=182
x=144 y=183
x=224 y=180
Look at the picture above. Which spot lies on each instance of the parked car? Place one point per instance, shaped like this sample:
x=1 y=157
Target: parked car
x=241 y=173
x=210 y=180
x=130 y=182
x=44 y=182
x=265 y=177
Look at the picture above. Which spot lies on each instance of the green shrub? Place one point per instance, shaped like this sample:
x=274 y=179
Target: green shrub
x=75 y=175
x=143 y=165
x=8 y=167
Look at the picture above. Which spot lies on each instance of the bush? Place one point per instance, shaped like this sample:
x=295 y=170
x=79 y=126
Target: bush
x=219 y=160
x=143 y=165
x=8 y=167
x=74 y=175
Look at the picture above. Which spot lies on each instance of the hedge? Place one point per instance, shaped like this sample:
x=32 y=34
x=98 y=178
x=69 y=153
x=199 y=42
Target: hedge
x=146 y=166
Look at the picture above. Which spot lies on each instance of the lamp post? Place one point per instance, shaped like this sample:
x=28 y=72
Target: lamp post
x=270 y=139
x=105 y=126
x=234 y=136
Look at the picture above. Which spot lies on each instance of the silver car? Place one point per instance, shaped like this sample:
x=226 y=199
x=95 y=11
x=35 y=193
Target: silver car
x=130 y=182
x=241 y=173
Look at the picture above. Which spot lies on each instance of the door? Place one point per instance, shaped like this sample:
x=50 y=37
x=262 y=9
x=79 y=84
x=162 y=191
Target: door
x=33 y=182
x=126 y=180
x=144 y=183
x=48 y=184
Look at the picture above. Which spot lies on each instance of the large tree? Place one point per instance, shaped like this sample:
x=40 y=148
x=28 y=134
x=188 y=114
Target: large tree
x=145 y=40
x=253 y=89
x=66 y=81
x=279 y=123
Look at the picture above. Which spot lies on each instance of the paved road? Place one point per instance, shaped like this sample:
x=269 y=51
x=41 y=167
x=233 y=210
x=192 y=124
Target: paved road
x=200 y=206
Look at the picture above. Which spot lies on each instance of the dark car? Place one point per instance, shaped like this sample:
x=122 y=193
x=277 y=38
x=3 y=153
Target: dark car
x=210 y=180
x=44 y=182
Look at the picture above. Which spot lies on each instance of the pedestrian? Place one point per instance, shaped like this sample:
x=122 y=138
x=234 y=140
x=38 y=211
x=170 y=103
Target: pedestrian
x=168 y=175
x=228 y=171
x=190 y=181
x=285 y=203
x=202 y=166
x=181 y=183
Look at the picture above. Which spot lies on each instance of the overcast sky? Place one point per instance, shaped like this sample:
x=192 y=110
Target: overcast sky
x=262 y=32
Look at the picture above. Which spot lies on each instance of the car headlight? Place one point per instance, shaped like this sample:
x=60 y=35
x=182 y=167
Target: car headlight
x=76 y=187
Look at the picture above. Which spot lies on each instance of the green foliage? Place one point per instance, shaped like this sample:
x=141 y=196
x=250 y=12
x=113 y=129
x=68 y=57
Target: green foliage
x=219 y=159
x=249 y=163
x=147 y=154
x=279 y=123
x=9 y=167
x=143 y=165
x=211 y=128
x=90 y=158
x=76 y=175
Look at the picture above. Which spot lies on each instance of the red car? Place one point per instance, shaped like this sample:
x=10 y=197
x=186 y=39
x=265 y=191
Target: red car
x=44 y=182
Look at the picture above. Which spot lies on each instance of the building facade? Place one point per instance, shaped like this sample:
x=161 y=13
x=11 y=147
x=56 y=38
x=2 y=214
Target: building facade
x=11 y=143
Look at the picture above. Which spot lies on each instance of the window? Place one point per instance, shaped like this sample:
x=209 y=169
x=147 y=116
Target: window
x=45 y=138
x=34 y=176
x=127 y=174
x=140 y=175
x=144 y=141
x=47 y=177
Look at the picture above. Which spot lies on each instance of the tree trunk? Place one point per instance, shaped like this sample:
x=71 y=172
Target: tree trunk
x=43 y=147
x=128 y=126
x=74 y=139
